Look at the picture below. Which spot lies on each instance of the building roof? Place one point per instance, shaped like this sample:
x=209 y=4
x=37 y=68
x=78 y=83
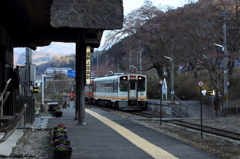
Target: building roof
x=34 y=23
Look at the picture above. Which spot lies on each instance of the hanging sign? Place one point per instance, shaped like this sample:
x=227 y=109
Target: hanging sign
x=88 y=66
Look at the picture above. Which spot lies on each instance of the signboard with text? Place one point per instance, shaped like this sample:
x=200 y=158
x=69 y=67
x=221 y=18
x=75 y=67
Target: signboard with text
x=72 y=73
x=88 y=66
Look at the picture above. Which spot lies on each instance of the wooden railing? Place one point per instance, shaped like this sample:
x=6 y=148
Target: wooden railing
x=3 y=97
x=9 y=128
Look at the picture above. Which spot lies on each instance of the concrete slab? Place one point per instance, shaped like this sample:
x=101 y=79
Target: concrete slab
x=6 y=146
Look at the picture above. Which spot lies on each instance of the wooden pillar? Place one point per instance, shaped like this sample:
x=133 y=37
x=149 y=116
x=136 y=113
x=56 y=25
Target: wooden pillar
x=80 y=79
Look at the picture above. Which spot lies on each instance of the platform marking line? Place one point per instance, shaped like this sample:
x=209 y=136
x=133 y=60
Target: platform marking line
x=151 y=149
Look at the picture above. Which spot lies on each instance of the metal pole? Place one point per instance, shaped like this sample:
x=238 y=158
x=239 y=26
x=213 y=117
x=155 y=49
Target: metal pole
x=161 y=104
x=43 y=88
x=201 y=112
x=172 y=79
x=140 y=59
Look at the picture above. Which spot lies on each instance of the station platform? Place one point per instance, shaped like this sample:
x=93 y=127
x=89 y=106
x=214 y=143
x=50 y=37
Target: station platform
x=109 y=136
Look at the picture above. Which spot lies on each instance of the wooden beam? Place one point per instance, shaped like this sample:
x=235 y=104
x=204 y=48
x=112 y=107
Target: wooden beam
x=80 y=78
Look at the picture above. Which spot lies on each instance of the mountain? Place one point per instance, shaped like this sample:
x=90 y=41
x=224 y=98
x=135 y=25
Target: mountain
x=54 y=47
x=44 y=54
x=59 y=62
x=37 y=57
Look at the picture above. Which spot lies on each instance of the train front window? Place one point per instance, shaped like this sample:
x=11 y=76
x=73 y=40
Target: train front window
x=132 y=85
x=141 y=83
x=123 y=83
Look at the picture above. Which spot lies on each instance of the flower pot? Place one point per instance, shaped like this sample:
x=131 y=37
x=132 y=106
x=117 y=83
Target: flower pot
x=56 y=137
x=55 y=132
x=52 y=107
x=58 y=143
x=55 y=128
x=63 y=154
x=58 y=114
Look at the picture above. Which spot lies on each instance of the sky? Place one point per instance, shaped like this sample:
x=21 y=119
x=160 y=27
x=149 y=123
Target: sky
x=130 y=5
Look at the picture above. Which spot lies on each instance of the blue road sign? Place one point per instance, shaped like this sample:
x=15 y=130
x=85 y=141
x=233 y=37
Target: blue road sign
x=71 y=73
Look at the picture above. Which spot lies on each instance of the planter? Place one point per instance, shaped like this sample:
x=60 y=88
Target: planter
x=56 y=128
x=63 y=154
x=63 y=132
x=52 y=107
x=56 y=137
x=58 y=114
x=58 y=143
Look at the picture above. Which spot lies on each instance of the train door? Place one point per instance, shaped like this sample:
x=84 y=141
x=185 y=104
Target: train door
x=133 y=93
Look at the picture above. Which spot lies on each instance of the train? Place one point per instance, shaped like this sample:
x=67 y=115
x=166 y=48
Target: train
x=119 y=90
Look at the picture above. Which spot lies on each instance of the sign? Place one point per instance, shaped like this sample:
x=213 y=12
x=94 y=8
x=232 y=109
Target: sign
x=161 y=82
x=200 y=83
x=88 y=65
x=71 y=73
x=72 y=94
x=164 y=87
x=35 y=90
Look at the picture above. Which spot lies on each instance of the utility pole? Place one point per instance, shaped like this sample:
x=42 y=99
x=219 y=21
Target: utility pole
x=172 y=79
x=140 y=58
x=43 y=75
x=172 y=76
x=225 y=91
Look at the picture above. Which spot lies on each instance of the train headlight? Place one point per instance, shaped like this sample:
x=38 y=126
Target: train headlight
x=140 y=78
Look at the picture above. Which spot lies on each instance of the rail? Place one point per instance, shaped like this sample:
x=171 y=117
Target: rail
x=4 y=95
x=179 y=108
x=182 y=106
x=9 y=129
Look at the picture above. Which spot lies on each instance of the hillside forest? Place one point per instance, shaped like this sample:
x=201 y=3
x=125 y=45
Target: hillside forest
x=199 y=41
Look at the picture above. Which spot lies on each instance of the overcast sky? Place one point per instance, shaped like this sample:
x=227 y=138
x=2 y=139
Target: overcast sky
x=135 y=4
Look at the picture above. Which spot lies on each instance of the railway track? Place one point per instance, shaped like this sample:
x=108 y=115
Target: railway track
x=144 y=114
x=183 y=124
x=207 y=129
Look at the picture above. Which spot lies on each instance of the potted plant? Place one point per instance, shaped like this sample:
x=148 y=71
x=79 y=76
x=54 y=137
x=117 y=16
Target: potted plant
x=58 y=135
x=59 y=130
x=62 y=140
x=58 y=113
x=62 y=152
x=60 y=125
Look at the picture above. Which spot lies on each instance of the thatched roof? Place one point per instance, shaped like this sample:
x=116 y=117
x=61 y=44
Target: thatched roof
x=35 y=23
x=94 y=14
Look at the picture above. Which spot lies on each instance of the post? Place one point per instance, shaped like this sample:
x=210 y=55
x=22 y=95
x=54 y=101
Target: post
x=172 y=79
x=43 y=75
x=161 y=105
x=161 y=83
x=80 y=79
x=172 y=76
x=201 y=112
x=225 y=91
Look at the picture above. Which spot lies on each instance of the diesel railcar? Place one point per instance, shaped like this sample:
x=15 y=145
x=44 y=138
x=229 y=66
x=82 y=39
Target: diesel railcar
x=122 y=91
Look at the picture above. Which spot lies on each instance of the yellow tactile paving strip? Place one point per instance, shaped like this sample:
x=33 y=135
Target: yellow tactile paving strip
x=152 y=150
